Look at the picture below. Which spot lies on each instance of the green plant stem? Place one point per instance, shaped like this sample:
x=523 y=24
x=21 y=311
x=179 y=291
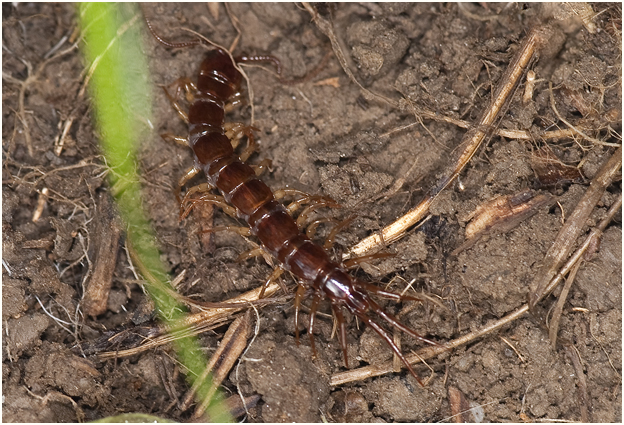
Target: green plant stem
x=121 y=96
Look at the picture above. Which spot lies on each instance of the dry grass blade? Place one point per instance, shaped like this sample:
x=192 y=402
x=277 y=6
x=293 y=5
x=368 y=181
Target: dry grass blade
x=556 y=316
x=502 y=213
x=196 y=323
x=562 y=246
x=583 y=400
x=231 y=347
x=471 y=142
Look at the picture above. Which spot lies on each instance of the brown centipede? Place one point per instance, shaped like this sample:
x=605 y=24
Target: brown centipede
x=219 y=84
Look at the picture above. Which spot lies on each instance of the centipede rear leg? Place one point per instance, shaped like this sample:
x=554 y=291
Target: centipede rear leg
x=316 y=301
x=342 y=332
x=274 y=277
x=396 y=324
x=183 y=85
x=384 y=335
x=236 y=131
x=178 y=108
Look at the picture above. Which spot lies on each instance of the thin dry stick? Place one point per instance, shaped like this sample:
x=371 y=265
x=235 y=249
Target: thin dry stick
x=472 y=141
x=100 y=280
x=423 y=354
x=236 y=25
x=197 y=322
x=230 y=348
x=32 y=77
x=503 y=132
x=562 y=246
x=432 y=351
x=556 y=316
x=213 y=314
x=594 y=235
x=165 y=337
x=327 y=28
x=581 y=381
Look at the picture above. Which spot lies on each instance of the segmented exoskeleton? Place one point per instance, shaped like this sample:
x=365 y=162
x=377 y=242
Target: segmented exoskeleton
x=219 y=82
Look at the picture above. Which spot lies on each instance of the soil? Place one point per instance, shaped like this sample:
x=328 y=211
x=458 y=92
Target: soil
x=323 y=137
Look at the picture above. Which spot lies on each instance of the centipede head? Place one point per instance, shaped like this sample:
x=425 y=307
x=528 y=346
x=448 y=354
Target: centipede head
x=218 y=75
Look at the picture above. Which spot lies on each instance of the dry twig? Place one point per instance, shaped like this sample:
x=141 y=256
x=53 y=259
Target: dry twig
x=230 y=348
x=471 y=142
x=562 y=246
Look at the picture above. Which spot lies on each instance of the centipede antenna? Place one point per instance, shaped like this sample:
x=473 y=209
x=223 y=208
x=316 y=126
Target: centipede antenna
x=378 y=291
x=170 y=44
x=262 y=58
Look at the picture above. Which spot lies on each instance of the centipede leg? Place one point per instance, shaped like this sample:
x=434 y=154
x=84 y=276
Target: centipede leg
x=235 y=131
x=382 y=333
x=342 y=331
x=369 y=287
x=207 y=197
x=243 y=231
x=316 y=203
x=287 y=191
x=298 y=297
x=190 y=173
x=176 y=106
x=355 y=261
x=172 y=138
x=184 y=84
x=301 y=197
x=264 y=165
x=394 y=322
x=237 y=99
x=273 y=278
x=311 y=229
x=295 y=205
x=313 y=307
x=249 y=149
x=256 y=252
x=331 y=239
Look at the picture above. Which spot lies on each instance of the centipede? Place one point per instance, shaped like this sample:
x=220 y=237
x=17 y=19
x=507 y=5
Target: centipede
x=218 y=86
